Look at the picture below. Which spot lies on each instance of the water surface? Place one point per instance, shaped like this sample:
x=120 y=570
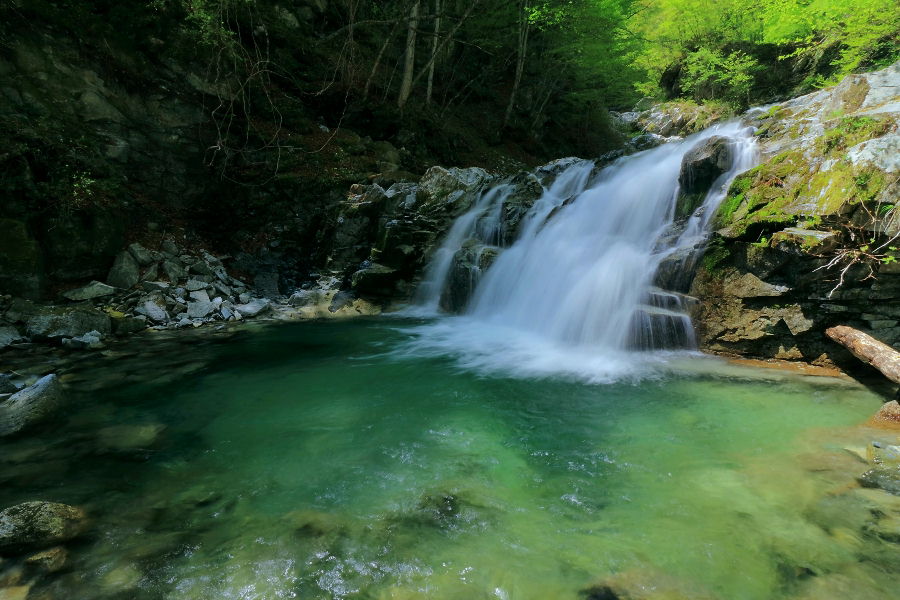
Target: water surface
x=335 y=460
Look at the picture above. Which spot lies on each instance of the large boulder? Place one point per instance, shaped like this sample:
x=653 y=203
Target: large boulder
x=30 y=406
x=39 y=524
x=701 y=166
x=95 y=289
x=55 y=322
x=125 y=272
x=451 y=191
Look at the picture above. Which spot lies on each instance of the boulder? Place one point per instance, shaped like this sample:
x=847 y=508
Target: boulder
x=91 y=340
x=154 y=308
x=48 y=561
x=453 y=190
x=30 y=405
x=253 y=308
x=172 y=270
x=6 y=385
x=123 y=325
x=125 y=272
x=9 y=335
x=56 y=322
x=193 y=285
x=700 y=168
x=375 y=279
x=143 y=256
x=38 y=524
x=200 y=309
x=95 y=289
x=884 y=478
x=889 y=413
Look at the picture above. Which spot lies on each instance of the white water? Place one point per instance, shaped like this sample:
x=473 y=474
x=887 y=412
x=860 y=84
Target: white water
x=574 y=292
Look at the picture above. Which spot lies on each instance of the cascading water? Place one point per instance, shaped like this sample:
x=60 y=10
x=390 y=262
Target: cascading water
x=580 y=276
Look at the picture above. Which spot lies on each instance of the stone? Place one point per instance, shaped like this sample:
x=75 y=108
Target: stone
x=151 y=273
x=889 y=413
x=6 y=385
x=127 y=438
x=884 y=478
x=375 y=279
x=749 y=285
x=884 y=455
x=227 y=313
x=193 y=285
x=172 y=270
x=16 y=592
x=91 y=340
x=31 y=405
x=200 y=295
x=125 y=325
x=125 y=272
x=9 y=335
x=39 y=524
x=155 y=286
x=154 y=309
x=244 y=298
x=59 y=322
x=143 y=256
x=170 y=248
x=201 y=268
x=199 y=309
x=94 y=289
x=50 y=560
x=253 y=308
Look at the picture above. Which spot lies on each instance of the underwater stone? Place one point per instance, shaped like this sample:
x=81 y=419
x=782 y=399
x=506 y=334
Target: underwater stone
x=30 y=406
x=884 y=478
x=39 y=524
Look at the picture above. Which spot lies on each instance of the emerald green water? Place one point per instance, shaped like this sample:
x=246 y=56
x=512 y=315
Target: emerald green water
x=320 y=460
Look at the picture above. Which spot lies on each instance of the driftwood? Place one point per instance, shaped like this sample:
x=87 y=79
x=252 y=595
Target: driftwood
x=868 y=349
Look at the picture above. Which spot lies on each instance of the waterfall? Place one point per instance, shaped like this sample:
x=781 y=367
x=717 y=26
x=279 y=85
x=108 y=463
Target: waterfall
x=581 y=273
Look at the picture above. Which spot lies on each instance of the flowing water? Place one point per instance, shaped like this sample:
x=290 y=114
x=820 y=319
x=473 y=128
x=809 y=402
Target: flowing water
x=331 y=460
x=523 y=450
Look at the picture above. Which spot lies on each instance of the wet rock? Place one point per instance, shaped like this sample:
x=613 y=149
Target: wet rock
x=194 y=285
x=49 y=561
x=125 y=272
x=39 y=524
x=883 y=455
x=16 y=592
x=30 y=406
x=57 y=322
x=91 y=340
x=94 y=289
x=6 y=385
x=9 y=335
x=451 y=190
x=375 y=279
x=253 y=308
x=643 y=584
x=128 y=438
x=199 y=296
x=123 y=325
x=889 y=413
x=155 y=286
x=700 y=168
x=885 y=478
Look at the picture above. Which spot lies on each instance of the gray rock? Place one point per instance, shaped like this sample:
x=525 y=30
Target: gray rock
x=222 y=288
x=253 y=308
x=91 y=340
x=885 y=478
x=9 y=335
x=126 y=325
x=125 y=272
x=38 y=524
x=143 y=256
x=172 y=270
x=267 y=283
x=94 y=289
x=700 y=168
x=30 y=406
x=151 y=273
x=200 y=296
x=55 y=322
x=227 y=313
x=6 y=385
x=48 y=561
x=155 y=286
x=193 y=285
x=201 y=268
x=244 y=298
x=200 y=309
x=154 y=309
x=170 y=248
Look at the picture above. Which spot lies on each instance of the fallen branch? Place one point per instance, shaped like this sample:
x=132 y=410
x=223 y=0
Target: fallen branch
x=868 y=349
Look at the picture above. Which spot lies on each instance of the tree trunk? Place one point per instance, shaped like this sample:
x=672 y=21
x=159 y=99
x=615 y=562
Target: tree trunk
x=434 y=48
x=378 y=58
x=521 y=50
x=868 y=349
x=410 y=63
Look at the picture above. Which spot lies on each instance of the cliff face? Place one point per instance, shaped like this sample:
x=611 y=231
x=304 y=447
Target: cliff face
x=809 y=238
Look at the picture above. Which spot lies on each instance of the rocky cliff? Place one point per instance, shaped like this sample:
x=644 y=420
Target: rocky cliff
x=809 y=238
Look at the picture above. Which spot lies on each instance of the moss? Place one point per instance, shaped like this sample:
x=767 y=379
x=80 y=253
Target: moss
x=716 y=254
x=849 y=131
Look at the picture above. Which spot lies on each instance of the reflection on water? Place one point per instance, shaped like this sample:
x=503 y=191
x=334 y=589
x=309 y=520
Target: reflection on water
x=320 y=461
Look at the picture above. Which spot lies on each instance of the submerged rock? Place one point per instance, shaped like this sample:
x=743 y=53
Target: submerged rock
x=126 y=438
x=885 y=478
x=30 y=406
x=9 y=335
x=50 y=560
x=90 y=340
x=39 y=524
